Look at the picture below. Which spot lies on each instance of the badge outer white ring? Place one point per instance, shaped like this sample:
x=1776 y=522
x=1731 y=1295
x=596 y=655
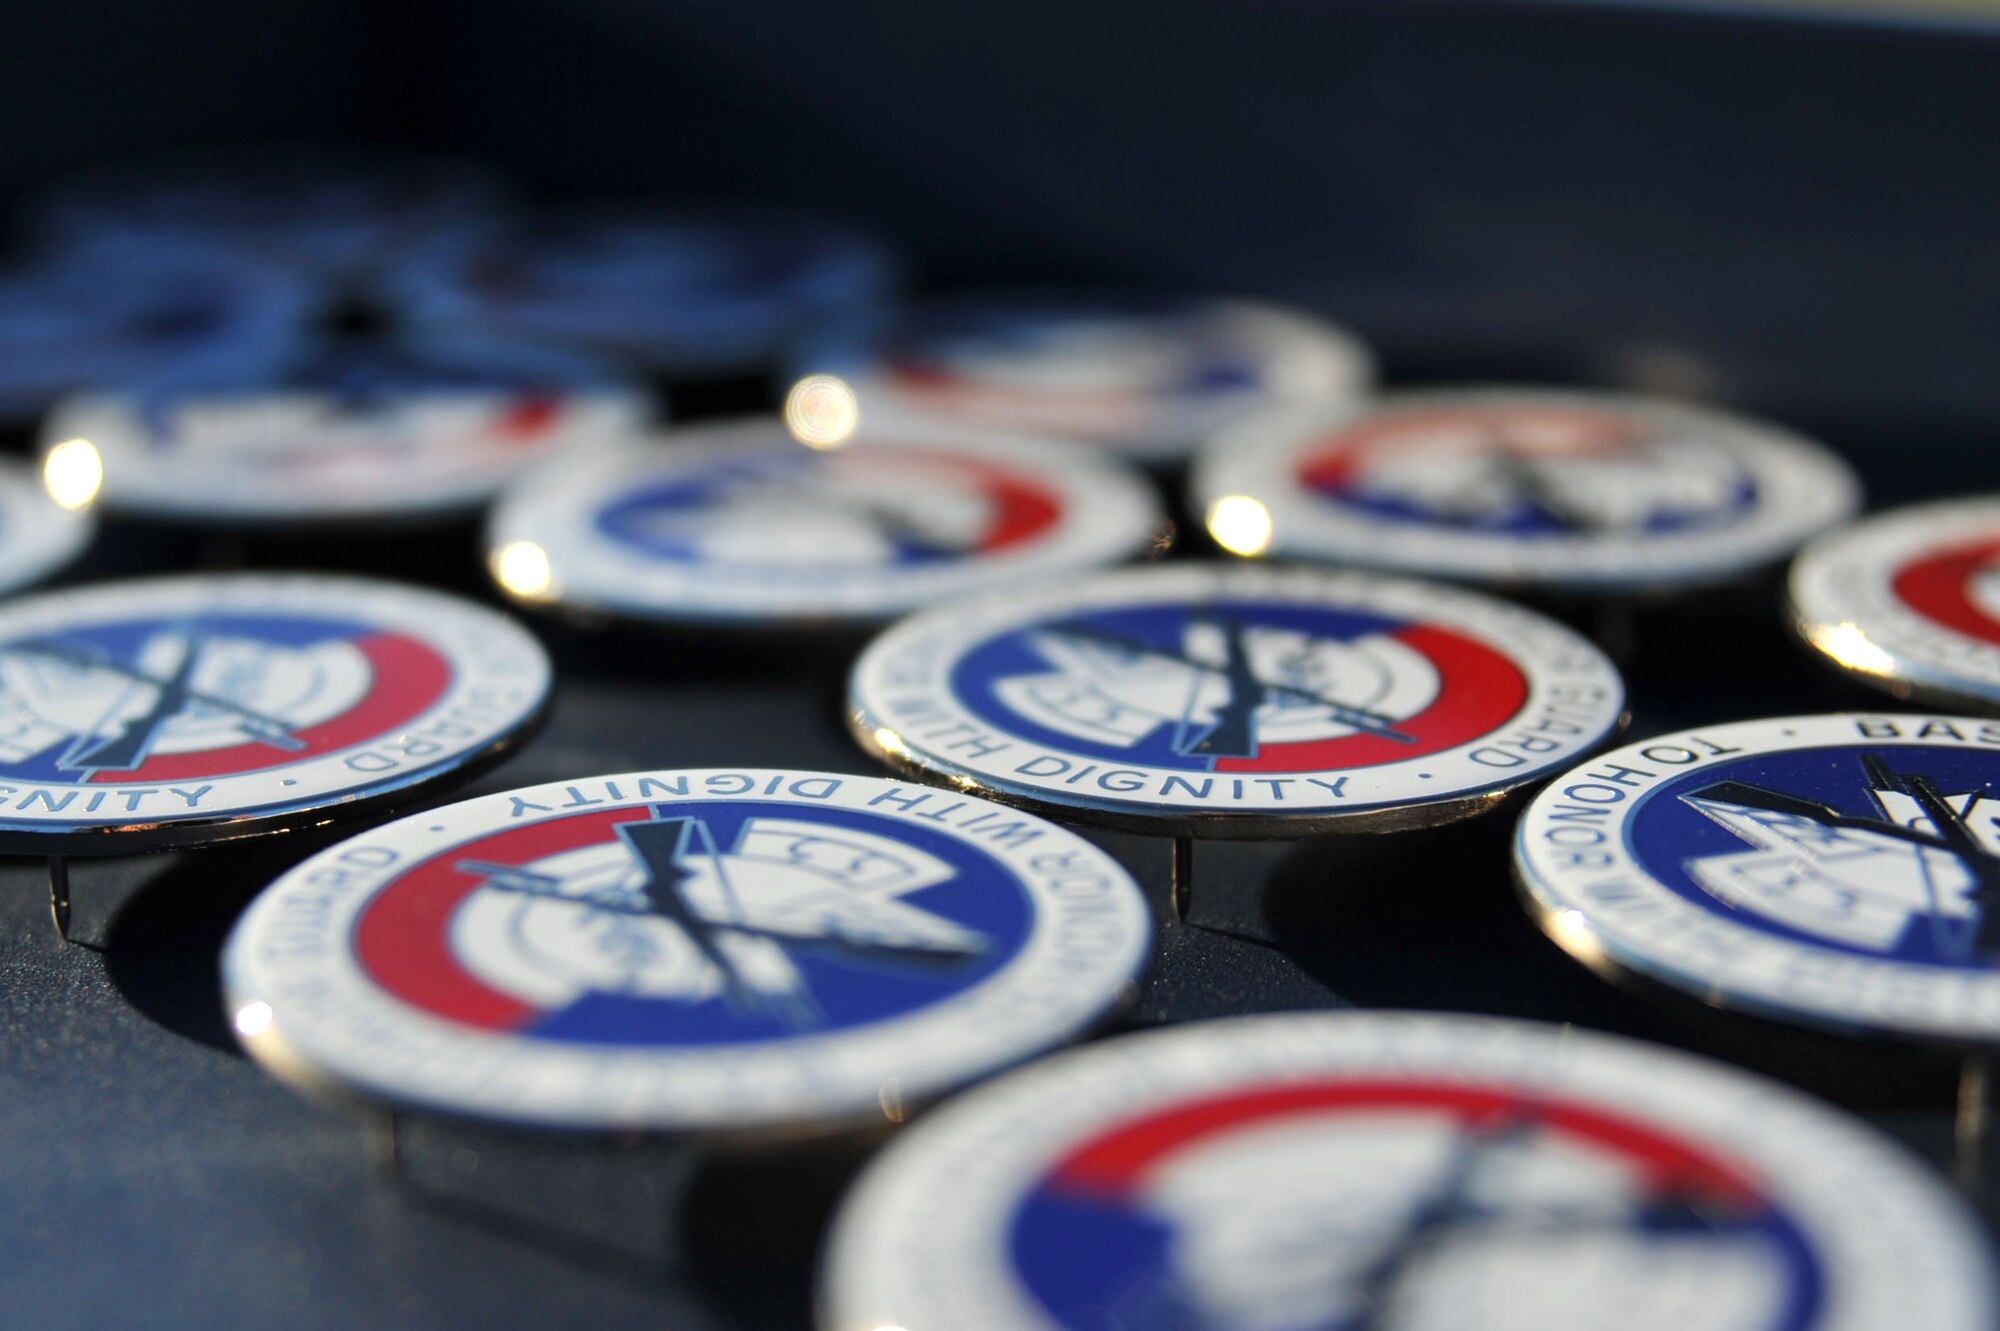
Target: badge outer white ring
x=1108 y=514
x=1844 y=605
x=920 y=1240
x=333 y=1032
x=902 y=709
x=1802 y=490
x=38 y=537
x=1594 y=898
x=498 y=691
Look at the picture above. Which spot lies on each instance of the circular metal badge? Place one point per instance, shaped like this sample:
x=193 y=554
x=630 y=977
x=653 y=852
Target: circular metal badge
x=743 y=524
x=1393 y=1169
x=1557 y=491
x=1236 y=701
x=717 y=951
x=38 y=536
x=1909 y=600
x=333 y=431
x=1149 y=378
x=687 y=293
x=1838 y=870
x=180 y=711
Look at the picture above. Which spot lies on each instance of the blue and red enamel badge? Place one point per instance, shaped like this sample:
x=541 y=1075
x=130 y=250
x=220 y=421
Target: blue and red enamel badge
x=1149 y=378
x=332 y=430
x=1841 y=870
x=1291 y=1173
x=176 y=711
x=744 y=524
x=682 y=294
x=1568 y=491
x=1909 y=600
x=1236 y=700
x=700 y=951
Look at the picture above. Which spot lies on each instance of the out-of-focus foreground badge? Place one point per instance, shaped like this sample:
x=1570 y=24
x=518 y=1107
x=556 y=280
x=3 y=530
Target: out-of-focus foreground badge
x=336 y=431
x=746 y=525
x=1392 y=1169
x=1235 y=701
x=1839 y=870
x=1909 y=600
x=180 y=711
x=1150 y=378
x=702 y=952
x=1550 y=491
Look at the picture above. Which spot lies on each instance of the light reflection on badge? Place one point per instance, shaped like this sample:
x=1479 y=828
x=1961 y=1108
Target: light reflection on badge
x=1360 y=1169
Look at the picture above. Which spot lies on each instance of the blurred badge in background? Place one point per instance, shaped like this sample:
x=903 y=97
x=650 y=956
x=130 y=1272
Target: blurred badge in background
x=755 y=524
x=679 y=295
x=111 y=311
x=1539 y=490
x=320 y=428
x=1150 y=378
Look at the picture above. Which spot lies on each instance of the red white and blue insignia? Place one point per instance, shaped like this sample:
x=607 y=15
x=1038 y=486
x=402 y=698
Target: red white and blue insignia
x=1239 y=695
x=699 y=950
x=744 y=523
x=330 y=430
x=181 y=709
x=1909 y=600
x=1841 y=870
x=1561 y=489
x=1370 y=1170
x=1150 y=378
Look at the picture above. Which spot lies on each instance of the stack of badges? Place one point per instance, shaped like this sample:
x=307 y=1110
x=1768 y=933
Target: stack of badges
x=1545 y=491
x=1910 y=601
x=1838 y=870
x=1235 y=701
x=110 y=312
x=713 y=954
x=1148 y=378
x=677 y=295
x=182 y=712
x=1378 y=1170
x=332 y=430
x=343 y=218
x=745 y=525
